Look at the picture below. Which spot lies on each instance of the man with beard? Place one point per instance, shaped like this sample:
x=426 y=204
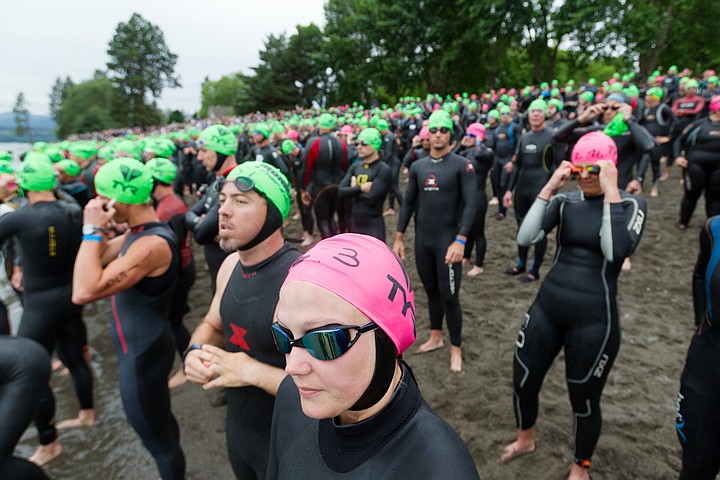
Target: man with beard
x=233 y=346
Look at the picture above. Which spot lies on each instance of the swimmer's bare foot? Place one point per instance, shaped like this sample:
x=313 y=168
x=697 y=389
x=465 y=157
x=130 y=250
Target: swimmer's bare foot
x=455 y=358
x=46 y=453
x=627 y=264
x=178 y=379
x=85 y=418
x=307 y=240
x=524 y=444
x=475 y=271
x=434 y=342
x=654 y=192
x=57 y=365
x=465 y=262
x=389 y=212
x=578 y=473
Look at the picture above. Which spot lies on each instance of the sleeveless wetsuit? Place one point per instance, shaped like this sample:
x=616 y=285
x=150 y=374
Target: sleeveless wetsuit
x=246 y=309
x=367 y=208
x=576 y=307
x=48 y=235
x=406 y=439
x=24 y=374
x=441 y=195
x=145 y=349
x=697 y=419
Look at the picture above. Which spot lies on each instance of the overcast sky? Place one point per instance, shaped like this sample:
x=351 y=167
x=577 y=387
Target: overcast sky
x=43 y=39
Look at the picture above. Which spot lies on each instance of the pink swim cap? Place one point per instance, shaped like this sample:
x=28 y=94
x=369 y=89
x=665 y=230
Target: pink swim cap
x=715 y=103
x=364 y=272
x=292 y=135
x=424 y=132
x=347 y=130
x=477 y=129
x=594 y=146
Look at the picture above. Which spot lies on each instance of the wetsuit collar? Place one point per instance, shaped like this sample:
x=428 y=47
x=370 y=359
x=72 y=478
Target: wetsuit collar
x=225 y=173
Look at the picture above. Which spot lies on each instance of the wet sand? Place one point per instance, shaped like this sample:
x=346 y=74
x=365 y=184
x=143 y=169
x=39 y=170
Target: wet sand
x=638 y=439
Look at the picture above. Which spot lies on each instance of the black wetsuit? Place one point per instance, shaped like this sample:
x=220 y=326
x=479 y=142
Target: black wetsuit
x=576 y=307
x=78 y=190
x=441 y=193
x=269 y=155
x=631 y=145
x=297 y=165
x=503 y=141
x=482 y=159
x=326 y=163
x=367 y=208
x=246 y=310
x=534 y=163
x=24 y=374
x=405 y=440
x=205 y=230
x=660 y=122
x=701 y=143
x=48 y=235
x=171 y=210
x=389 y=153
x=697 y=418
x=145 y=350
x=413 y=155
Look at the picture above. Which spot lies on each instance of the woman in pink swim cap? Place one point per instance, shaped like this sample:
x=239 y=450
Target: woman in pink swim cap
x=350 y=405
x=576 y=307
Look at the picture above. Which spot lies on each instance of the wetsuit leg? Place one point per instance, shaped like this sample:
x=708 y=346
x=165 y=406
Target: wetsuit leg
x=72 y=347
x=214 y=256
x=698 y=179
x=503 y=182
x=538 y=343
x=146 y=398
x=325 y=206
x=375 y=227
x=179 y=307
x=697 y=417
x=4 y=320
x=247 y=430
x=712 y=194
x=24 y=374
x=590 y=350
x=477 y=232
x=495 y=178
x=395 y=185
x=426 y=267
x=306 y=217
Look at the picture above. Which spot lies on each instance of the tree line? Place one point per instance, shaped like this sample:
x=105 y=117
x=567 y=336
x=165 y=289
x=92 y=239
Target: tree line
x=372 y=50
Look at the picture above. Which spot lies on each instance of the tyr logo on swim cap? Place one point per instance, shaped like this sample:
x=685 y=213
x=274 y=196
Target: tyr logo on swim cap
x=364 y=272
x=594 y=146
x=125 y=180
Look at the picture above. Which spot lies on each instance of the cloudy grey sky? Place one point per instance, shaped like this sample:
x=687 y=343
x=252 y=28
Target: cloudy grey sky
x=43 y=39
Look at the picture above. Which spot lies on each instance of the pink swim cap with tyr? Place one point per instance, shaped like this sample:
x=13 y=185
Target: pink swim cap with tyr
x=364 y=272
x=594 y=146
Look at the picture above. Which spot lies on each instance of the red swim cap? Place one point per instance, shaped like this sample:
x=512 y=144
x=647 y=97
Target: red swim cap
x=594 y=146
x=364 y=272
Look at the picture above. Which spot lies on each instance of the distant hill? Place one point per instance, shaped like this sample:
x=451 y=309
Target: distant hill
x=43 y=128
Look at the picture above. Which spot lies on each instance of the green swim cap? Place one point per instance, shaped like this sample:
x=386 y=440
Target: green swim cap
x=616 y=87
x=267 y=180
x=162 y=170
x=40 y=146
x=363 y=122
x=107 y=153
x=440 y=119
x=36 y=173
x=327 y=121
x=588 y=96
x=160 y=147
x=125 y=180
x=70 y=167
x=7 y=156
x=571 y=82
x=504 y=109
x=54 y=153
x=218 y=138
x=128 y=149
x=656 y=92
x=83 y=150
x=538 y=104
x=262 y=129
x=544 y=85
x=691 y=84
x=558 y=104
x=6 y=167
x=713 y=79
x=569 y=89
x=383 y=125
x=632 y=91
x=287 y=146
x=494 y=114
x=371 y=136
x=673 y=67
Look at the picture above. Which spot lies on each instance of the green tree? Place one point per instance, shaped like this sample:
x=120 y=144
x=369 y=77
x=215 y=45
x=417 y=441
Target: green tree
x=22 y=118
x=176 y=116
x=229 y=90
x=87 y=108
x=140 y=66
x=58 y=94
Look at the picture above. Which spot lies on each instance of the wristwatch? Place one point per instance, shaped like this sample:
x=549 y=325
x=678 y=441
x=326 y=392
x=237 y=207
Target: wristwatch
x=90 y=229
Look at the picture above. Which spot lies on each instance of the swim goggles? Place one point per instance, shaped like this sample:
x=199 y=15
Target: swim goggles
x=324 y=343
x=591 y=169
x=442 y=130
x=244 y=184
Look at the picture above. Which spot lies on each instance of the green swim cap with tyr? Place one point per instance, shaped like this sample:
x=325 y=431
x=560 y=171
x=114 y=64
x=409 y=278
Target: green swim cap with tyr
x=126 y=180
x=268 y=181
